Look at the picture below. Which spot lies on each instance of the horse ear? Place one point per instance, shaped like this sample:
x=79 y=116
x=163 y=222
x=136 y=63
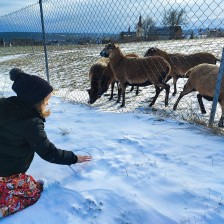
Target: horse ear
x=151 y=51
x=110 y=46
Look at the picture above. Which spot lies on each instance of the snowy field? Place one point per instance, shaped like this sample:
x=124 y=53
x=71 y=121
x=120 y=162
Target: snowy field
x=145 y=170
x=69 y=67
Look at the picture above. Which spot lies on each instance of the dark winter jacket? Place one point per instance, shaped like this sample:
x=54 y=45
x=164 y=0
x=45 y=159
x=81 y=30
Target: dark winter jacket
x=21 y=135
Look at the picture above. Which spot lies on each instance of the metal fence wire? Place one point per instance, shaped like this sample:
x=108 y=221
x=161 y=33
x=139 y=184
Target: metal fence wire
x=76 y=32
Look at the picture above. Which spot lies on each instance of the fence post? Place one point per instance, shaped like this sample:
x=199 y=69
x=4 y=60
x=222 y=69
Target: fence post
x=217 y=90
x=44 y=40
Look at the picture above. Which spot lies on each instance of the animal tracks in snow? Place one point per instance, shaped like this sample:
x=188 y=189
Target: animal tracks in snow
x=88 y=208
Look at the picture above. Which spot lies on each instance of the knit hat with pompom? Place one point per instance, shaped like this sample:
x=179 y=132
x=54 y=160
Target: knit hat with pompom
x=30 y=89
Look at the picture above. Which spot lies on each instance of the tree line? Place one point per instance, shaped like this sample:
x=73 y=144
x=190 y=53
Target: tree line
x=171 y=18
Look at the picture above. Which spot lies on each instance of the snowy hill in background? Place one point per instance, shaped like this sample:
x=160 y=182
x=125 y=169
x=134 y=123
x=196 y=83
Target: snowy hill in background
x=145 y=170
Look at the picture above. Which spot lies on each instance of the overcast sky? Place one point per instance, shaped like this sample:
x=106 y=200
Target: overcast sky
x=8 y=6
x=105 y=16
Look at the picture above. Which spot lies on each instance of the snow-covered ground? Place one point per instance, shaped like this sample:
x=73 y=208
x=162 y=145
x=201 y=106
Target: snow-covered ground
x=10 y=57
x=69 y=74
x=145 y=170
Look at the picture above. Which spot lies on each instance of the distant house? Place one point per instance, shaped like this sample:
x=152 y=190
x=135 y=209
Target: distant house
x=154 y=33
x=128 y=36
x=202 y=34
x=215 y=33
x=165 y=33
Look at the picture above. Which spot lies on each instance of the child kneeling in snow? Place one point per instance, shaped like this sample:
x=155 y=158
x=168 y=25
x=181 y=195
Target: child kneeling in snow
x=22 y=134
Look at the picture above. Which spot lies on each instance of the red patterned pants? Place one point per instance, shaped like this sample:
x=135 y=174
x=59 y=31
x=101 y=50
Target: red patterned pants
x=18 y=192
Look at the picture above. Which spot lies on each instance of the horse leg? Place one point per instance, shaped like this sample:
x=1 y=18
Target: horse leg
x=167 y=88
x=175 y=85
x=123 y=88
x=112 y=91
x=137 y=91
x=158 y=90
x=183 y=93
x=203 y=111
x=119 y=93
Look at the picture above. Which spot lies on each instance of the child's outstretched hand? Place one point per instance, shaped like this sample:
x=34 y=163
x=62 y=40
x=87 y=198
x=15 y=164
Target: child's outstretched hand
x=82 y=159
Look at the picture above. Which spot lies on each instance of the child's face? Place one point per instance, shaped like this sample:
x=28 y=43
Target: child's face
x=46 y=99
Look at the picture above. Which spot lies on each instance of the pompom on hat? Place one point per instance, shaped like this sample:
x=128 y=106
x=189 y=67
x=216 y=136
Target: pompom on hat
x=30 y=89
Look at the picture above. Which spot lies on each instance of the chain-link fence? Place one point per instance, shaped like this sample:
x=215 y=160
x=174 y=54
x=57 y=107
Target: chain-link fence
x=76 y=31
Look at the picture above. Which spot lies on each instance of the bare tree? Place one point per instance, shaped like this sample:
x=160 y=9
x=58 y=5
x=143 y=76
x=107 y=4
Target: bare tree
x=173 y=17
x=148 y=24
